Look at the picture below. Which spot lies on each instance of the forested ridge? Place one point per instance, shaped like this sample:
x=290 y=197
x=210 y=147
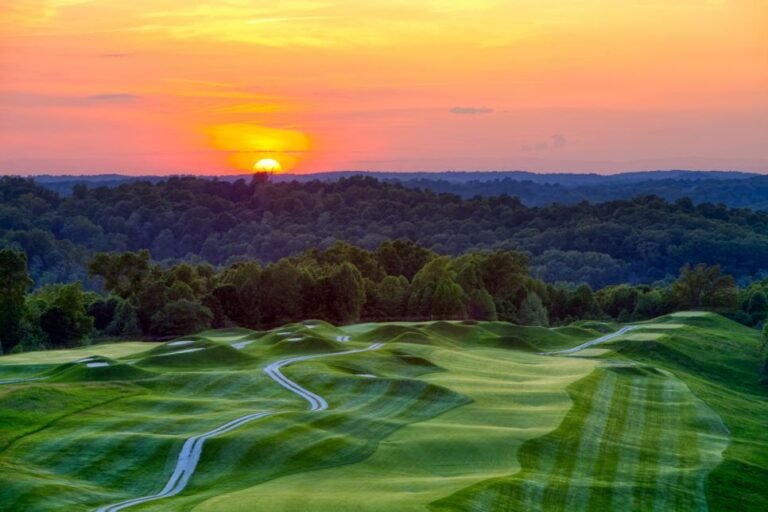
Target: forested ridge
x=638 y=240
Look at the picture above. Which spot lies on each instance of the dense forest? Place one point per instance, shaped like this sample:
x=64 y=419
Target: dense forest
x=737 y=193
x=640 y=240
x=733 y=189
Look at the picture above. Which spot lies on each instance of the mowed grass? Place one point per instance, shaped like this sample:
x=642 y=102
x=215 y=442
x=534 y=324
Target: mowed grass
x=516 y=395
x=443 y=417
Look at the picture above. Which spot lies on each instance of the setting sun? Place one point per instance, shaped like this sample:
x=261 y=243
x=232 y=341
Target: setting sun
x=267 y=165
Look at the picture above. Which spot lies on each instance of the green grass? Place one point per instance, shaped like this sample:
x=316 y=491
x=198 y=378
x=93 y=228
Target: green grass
x=444 y=417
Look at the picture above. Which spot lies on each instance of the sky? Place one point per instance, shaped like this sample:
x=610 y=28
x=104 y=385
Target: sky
x=215 y=86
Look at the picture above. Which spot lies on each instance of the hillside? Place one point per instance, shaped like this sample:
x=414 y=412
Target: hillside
x=734 y=189
x=638 y=240
x=411 y=417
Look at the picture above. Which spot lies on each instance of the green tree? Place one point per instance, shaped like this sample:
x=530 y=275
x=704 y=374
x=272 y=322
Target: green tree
x=425 y=282
x=758 y=307
x=403 y=257
x=344 y=293
x=125 y=321
x=124 y=273
x=532 y=311
x=705 y=287
x=447 y=300
x=616 y=301
x=652 y=304
x=581 y=302
x=280 y=293
x=387 y=299
x=480 y=305
x=14 y=284
x=65 y=318
x=181 y=317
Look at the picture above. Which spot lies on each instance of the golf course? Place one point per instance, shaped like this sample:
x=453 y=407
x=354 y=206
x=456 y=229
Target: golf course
x=440 y=416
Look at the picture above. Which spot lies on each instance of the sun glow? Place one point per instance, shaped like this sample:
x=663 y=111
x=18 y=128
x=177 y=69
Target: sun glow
x=273 y=149
x=267 y=165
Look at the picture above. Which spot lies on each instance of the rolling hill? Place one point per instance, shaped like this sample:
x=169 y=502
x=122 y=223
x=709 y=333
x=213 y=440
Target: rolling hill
x=662 y=415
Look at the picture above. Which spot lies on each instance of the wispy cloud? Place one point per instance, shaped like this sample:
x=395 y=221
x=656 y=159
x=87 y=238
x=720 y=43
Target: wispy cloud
x=555 y=141
x=471 y=111
x=21 y=99
x=112 y=98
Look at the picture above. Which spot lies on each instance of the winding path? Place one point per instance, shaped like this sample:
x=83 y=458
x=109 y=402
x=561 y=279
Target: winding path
x=189 y=456
x=603 y=339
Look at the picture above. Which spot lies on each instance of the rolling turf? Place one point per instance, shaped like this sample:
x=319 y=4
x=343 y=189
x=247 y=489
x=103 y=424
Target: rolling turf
x=443 y=417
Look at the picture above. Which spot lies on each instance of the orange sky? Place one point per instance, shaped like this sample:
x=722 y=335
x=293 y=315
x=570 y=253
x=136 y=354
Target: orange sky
x=172 y=86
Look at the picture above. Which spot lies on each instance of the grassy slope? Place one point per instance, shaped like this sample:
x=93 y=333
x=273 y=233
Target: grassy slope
x=673 y=420
x=458 y=417
x=516 y=395
x=717 y=359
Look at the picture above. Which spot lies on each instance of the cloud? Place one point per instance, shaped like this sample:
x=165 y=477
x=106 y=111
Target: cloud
x=555 y=141
x=539 y=146
x=112 y=98
x=20 y=99
x=558 y=140
x=471 y=111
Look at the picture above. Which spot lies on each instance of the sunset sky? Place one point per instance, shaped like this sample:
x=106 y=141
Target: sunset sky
x=211 y=87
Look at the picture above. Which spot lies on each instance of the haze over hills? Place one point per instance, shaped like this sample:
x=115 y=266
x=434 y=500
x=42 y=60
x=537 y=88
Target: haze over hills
x=732 y=188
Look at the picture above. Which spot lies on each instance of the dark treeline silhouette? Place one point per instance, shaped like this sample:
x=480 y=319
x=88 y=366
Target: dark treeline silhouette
x=640 y=240
x=400 y=280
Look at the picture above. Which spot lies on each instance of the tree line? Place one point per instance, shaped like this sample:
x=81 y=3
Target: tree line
x=399 y=280
x=641 y=240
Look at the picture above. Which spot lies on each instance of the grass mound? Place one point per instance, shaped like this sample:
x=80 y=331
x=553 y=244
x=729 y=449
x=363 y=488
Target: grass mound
x=98 y=369
x=302 y=344
x=212 y=355
x=388 y=332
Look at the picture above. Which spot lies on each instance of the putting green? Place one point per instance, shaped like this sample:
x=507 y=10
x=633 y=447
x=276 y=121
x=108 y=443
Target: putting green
x=439 y=417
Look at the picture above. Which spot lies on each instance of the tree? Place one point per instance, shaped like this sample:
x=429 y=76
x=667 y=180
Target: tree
x=652 y=304
x=123 y=274
x=581 y=302
x=280 y=293
x=480 y=305
x=758 y=307
x=403 y=257
x=181 y=317
x=343 y=292
x=14 y=283
x=618 y=300
x=532 y=311
x=704 y=287
x=65 y=319
x=447 y=300
x=425 y=282
x=125 y=321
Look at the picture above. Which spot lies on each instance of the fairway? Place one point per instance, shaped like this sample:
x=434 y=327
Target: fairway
x=439 y=416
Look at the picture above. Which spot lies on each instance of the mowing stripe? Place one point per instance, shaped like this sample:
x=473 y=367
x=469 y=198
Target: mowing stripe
x=543 y=465
x=579 y=484
x=668 y=461
x=604 y=472
x=629 y=453
x=188 y=458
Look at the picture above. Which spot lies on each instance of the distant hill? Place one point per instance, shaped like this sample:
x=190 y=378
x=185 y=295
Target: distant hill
x=734 y=189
